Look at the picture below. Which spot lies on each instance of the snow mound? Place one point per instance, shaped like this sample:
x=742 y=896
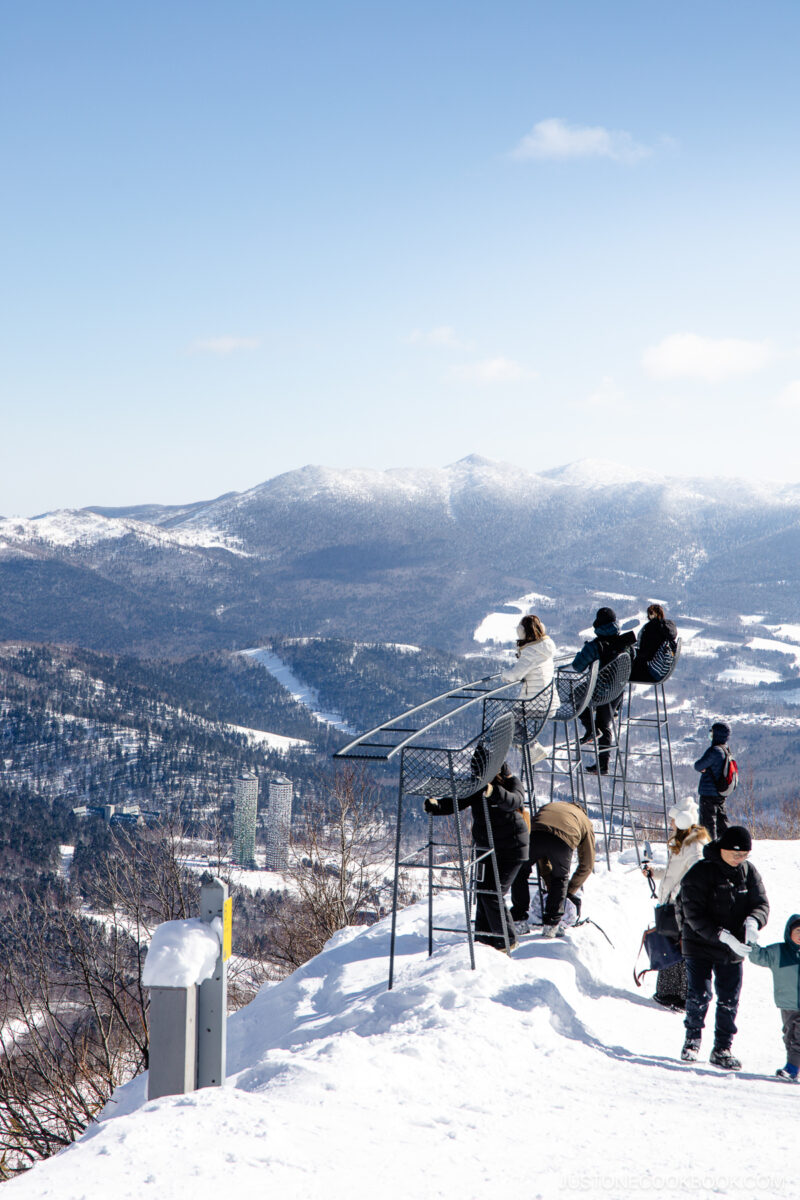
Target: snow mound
x=546 y=1072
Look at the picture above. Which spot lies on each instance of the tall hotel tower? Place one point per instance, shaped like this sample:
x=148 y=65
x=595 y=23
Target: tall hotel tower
x=279 y=823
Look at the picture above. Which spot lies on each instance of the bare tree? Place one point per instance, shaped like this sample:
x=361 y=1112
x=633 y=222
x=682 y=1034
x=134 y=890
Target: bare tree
x=343 y=855
x=74 y=1011
x=73 y=1028
x=780 y=821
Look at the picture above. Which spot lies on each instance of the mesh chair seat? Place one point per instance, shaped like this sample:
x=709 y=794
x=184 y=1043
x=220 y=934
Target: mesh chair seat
x=611 y=680
x=662 y=664
x=432 y=771
x=573 y=688
x=530 y=714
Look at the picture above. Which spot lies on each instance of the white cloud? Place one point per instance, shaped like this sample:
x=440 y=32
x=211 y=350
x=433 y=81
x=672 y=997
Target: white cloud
x=225 y=345
x=790 y=396
x=607 y=395
x=493 y=370
x=689 y=356
x=441 y=335
x=555 y=139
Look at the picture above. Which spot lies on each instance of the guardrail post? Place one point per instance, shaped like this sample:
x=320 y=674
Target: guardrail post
x=173 y=1041
x=212 y=995
x=188 y=1019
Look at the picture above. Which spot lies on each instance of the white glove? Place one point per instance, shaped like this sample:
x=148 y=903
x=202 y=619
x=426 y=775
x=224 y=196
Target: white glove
x=736 y=946
x=751 y=930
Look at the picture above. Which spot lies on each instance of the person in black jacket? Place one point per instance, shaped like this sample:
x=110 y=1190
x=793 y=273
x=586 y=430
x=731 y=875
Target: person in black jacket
x=505 y=798
x=604 y=647
x=711 y=765
x=653 y=636
x=722 y=899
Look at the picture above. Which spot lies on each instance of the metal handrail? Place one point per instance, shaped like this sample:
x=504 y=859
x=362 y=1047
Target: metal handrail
x=345 y=752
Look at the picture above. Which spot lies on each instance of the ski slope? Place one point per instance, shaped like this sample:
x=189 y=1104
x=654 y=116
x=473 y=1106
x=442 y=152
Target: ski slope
x=544 y=1074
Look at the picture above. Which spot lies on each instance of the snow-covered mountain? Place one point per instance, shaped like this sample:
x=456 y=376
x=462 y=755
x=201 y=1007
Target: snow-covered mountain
x=402 y=555
x=544 y=1074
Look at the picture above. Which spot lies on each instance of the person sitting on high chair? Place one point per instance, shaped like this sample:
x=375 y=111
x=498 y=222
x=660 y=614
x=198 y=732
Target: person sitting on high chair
x=607 y=644
x=655 y=634
x=534 y=668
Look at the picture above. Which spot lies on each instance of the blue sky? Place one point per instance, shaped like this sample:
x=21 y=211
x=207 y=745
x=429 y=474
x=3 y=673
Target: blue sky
x=239 y=238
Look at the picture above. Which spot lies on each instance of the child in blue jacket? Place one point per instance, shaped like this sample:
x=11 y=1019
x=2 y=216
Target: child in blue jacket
x=783 y=959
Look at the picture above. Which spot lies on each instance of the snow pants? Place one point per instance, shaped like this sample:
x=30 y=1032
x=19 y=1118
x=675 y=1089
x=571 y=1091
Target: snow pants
x=713 y=815
x=791 y=1035
x=555 y=864
x=728 y=984
x=488 y=917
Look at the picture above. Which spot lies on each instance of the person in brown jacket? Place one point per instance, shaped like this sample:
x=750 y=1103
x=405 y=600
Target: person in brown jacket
x=557 y=830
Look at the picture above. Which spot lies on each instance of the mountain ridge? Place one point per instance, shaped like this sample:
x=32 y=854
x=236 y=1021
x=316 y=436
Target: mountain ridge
x=405 y=554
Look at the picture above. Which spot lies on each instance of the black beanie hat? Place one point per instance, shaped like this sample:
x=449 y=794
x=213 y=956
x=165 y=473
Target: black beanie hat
x=605 y=616
x=736 y=838
x=720 y=731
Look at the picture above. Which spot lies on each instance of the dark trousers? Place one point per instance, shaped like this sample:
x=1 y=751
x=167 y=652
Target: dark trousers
x=791 y=1035
x=728 y=985
x=555 y=866
x=488 y=918
x=713 y=815
x=604 y=716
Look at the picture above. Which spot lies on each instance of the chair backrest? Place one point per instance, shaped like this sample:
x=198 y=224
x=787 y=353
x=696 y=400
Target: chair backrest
x=530 y=715
x=495 y=744
x=574 y=689
x=662 y=664
x=434 y=771
x=611 y=680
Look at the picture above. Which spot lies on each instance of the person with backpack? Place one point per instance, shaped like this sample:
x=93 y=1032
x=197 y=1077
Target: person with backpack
x=719 y=776
x=721 y=896
x=607 y=644
x=783 y=959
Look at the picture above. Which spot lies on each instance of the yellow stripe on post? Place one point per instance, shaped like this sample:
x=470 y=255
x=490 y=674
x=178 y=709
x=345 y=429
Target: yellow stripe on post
x=227 y=928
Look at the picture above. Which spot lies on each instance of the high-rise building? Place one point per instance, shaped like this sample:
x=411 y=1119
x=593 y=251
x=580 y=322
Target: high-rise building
x=279 y=822
x=245 y=806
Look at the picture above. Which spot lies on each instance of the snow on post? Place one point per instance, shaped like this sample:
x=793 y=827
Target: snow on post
x=182 y=953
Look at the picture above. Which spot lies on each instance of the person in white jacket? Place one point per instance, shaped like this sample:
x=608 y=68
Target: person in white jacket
x=535 y=654
x=533 y=668
x=685 y=849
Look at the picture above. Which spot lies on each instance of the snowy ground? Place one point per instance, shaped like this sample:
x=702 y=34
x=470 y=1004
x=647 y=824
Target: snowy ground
x=273 y=741
x=501 y=626
x=546 y=1074
x=251 y=880
x=298 y=690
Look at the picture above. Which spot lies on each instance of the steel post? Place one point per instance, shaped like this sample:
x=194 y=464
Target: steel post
x=212 y=994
